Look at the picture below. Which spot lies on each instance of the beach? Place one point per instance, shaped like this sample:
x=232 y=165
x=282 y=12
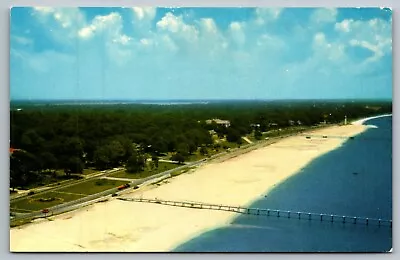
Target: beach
x=363 y=120
x=140 y=227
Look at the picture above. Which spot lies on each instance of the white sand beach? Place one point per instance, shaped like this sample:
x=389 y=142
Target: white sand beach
x=137 y=227
x=363 y=120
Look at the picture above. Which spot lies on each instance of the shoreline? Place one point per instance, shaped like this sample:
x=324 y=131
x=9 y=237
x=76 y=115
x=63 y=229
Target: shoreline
x=363 y=120
x=112 y=225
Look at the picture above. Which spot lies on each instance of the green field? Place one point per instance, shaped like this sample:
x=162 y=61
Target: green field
x=48 y=178
x=162 y=167
x=92 y=186
x=34 y=203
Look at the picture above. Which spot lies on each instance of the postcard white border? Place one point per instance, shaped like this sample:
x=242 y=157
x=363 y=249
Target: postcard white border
x=5 y=123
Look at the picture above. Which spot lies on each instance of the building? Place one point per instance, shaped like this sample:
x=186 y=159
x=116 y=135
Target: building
x=225 y=123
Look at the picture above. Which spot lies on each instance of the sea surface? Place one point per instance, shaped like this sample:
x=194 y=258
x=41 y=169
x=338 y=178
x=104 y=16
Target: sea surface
x=353 y=180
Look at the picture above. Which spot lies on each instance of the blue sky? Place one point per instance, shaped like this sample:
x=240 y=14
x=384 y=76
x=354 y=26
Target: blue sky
x=200 y=53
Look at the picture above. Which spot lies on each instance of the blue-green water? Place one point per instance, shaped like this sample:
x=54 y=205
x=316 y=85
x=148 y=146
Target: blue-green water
x=327 y=185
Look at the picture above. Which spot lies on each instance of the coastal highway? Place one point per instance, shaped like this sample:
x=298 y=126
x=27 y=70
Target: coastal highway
x=72 y=205
x=54 y=187
x=75 y=204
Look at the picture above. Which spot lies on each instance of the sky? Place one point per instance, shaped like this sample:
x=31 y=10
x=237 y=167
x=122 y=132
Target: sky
x=200 y=53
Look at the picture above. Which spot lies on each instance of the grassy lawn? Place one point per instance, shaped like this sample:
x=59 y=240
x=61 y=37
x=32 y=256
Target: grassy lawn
x=92 y=186
x=195 y=157
x=49 y=177
x=34 y=203
x=162 y=167
x=89 y=171
x=61 y=173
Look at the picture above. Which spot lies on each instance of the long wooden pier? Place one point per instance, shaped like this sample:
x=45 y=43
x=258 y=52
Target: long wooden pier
x=269 y=212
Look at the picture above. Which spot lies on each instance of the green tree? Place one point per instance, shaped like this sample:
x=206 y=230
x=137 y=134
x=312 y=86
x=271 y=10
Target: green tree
x=73 y=165
x=178 y=158
x=117 y=152
x=155 y=160
x=31 y=141
x=258 y=134
x=23 y=168
x=48 y=161
x=102 y=158
x=233 y=136
x=203 y=151
x=136 y=163
x=183 y=149
x=192 y=147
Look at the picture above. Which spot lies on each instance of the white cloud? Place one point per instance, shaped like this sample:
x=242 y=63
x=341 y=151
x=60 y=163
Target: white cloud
x=45 y=10
x=119 y=45
x=144 y=13
x=68 y=20
x=176 y=27
x=271 y=42
x=208 y=25
x=324 y=15
x=110 y=25
x=374 y=35
x=87 y=32
x=344 y=25
x=236 y=30
x=266 y=14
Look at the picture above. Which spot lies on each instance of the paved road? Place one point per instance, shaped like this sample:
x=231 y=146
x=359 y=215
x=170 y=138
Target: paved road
x=247 y=140
x=117 y=179
x=71 y=183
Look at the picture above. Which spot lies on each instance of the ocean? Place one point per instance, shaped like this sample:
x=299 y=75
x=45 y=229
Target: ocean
x=353 y=180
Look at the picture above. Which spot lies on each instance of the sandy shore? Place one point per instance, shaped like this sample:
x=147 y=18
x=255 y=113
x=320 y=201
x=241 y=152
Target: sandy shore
x=362 y=121
x=137 y=227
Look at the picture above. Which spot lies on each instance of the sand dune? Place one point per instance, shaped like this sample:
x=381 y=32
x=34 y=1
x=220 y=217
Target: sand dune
x=136 y=227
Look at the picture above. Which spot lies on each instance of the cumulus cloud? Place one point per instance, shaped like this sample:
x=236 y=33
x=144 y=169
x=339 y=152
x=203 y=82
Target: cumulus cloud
x=177 y=28
x=245 y=44
x=144 y=13
x=208 y=25
x=237 y=32
x=266 y=14
x=374 y=35
x=67 y=21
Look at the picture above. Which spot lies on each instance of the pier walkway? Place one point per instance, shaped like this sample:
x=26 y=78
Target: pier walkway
x=269 y=212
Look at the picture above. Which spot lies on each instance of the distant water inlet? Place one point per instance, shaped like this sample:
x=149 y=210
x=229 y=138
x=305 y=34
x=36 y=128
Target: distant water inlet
x=310 y=216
